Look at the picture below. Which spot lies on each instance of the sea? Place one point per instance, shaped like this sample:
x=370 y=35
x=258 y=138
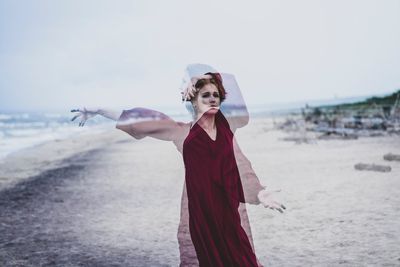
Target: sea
x=22 y=129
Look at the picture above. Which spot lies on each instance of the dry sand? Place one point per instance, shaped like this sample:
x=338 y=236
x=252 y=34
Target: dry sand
x=109 y=200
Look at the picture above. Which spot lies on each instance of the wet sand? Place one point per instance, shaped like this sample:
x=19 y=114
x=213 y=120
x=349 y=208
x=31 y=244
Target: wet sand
x=39 y=224
x=110 y=200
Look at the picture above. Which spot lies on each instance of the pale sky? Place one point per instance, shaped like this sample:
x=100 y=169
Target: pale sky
x=67 y=54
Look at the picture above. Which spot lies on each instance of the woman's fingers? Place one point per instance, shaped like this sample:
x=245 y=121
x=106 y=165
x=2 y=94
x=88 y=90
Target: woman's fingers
x=267 y=200
x=275 y=206
x=278 y=209
x=80 y=113
x=76 y=116
x=184 y=96
x=192 y=92
x=279 y=205
x=82 y=122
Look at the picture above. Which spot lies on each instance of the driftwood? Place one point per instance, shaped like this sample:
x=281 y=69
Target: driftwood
x=391 y=157
x=372 y=167
x=299 y=140
x=338 y=136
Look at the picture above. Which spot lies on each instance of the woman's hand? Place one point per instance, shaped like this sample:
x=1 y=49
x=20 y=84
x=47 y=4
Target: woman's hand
x=84 y=115
x=190 y=91
x=265 y=197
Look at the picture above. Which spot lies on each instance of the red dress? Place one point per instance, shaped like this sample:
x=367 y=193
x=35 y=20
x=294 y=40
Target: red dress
x=214 y=191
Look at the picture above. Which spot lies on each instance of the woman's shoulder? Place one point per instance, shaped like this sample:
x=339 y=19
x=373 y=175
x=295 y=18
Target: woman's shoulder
x=221 y=119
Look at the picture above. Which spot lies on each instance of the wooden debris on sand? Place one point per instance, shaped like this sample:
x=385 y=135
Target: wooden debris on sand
x=373 y=117
x=297 y=131
x=391 y=157
x=337 y=134
x=372 y=167
x=370 y=118
x=299 y=140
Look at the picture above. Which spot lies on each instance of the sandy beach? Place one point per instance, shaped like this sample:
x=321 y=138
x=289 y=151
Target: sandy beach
x=109 y=200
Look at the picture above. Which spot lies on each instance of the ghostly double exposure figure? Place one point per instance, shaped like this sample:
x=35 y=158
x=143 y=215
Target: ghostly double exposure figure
x=214 y=228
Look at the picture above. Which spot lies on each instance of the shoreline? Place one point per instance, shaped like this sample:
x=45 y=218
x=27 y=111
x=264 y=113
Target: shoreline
x=32 y=161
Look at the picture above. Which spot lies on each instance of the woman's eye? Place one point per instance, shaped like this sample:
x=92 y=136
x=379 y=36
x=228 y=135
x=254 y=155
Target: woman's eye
x=205 y=95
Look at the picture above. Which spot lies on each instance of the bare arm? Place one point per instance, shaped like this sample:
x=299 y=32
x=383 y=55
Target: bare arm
x=254 y=191
x=250 y=182
x=138 y=122
x=109 y=114
x=142 y=122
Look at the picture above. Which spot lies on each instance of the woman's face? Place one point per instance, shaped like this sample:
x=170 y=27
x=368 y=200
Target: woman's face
x=207 y=98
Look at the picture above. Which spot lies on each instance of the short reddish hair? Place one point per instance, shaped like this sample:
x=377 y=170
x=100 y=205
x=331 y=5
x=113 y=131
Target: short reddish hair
x=215 y=79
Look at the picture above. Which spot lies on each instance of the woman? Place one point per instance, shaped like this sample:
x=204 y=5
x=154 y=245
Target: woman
x=215 y=169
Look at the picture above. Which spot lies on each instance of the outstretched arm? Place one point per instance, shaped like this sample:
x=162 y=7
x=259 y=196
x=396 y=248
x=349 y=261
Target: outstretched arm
x=137 y=122
x=142 y=122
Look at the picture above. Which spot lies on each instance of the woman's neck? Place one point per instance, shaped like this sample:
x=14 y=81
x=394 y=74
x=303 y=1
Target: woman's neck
x=207 y=122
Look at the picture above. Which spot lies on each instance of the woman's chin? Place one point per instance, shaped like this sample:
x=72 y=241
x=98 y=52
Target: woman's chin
x=209 y=112
x=212 y=110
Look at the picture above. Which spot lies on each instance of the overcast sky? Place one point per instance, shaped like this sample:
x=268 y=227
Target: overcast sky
x=64 y=54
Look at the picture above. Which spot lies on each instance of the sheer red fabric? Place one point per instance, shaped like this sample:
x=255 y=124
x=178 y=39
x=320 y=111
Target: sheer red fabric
x=214 y=191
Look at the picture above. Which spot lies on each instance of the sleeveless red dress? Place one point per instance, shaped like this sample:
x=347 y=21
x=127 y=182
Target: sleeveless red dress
x=214 y=191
